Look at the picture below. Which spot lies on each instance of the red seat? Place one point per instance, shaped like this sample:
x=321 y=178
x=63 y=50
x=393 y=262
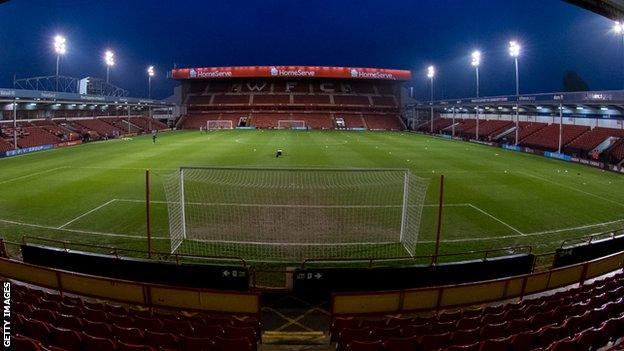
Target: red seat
x=227 y=344
x=117 y=309
x=501 y=344
x=158 y=339
x=465 y=337
x=338 y=324
x=69 y=322
x=450 y=316
x=550 y=333
x=37 y=330
x=493 y=331
x=564 y=345
x=178 y=326
x=120 y=320
x=94 y=343
x=468 y=323
x=93 y=315
x=198 y=344
x=44 y=315
x=23 y=343
x=101 y=329
x=69 y=340
x=402 y=344
x=420 y=330
x=348 y=334
x=127 y=335
x=208 y=331
x=472 y=347
x=122 y=346
x=152 y=324
x=235 y=332
x=434 y=341
x=385 y=333
x=357 y=345
x=523 y=341
x=591 y=339
x=493 y=318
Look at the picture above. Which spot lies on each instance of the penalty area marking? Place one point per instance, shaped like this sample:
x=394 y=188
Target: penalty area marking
x=87 y=213
x=32 y=175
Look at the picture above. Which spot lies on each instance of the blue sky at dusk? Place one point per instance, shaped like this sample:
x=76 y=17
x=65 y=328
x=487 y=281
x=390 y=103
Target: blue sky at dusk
x=404 y=34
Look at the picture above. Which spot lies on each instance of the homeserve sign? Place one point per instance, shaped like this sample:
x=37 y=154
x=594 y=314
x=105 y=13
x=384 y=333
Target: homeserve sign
x=210 y=74
x=291 y=73
x=371 y=75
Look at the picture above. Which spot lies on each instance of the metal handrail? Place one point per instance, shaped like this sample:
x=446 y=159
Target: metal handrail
x=372 y=260
x=116 y=251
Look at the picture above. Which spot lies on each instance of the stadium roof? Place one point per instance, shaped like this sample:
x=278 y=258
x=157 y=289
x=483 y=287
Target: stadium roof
x=295 y=72
x=613 y=9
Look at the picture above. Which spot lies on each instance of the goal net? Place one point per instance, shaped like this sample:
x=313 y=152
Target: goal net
x=291 y=124
x=294 y=214
x=218 y=124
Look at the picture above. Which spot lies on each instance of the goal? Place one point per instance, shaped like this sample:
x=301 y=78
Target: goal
x=218 y=124
x=289 y=215
x=291 y=124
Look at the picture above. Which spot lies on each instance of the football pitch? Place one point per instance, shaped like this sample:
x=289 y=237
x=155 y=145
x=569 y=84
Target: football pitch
x=94 y=193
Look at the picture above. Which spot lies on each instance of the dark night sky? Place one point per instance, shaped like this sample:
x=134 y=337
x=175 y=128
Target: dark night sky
x=406 y=34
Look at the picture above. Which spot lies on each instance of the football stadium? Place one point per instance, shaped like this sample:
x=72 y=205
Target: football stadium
x=276 y=207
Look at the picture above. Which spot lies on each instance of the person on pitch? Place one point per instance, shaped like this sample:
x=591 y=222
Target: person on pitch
x=278 y=153
x=154 y=135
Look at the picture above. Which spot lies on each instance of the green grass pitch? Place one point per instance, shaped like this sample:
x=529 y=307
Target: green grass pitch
x=94 y=193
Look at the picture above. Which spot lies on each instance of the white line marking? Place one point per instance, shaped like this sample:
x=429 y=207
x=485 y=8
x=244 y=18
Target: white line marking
x=31 y=175
x=87 y=213
x=571 y=188
x=496 y=219
x=547 y=232
x=79 y=231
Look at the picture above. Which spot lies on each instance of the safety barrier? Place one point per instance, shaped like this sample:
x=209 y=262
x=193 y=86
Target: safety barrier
x=412 y=300
x=151 y=295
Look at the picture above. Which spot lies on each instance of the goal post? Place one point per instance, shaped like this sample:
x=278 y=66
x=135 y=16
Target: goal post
x=291 y=124
x=289 y=215
x=219 y=124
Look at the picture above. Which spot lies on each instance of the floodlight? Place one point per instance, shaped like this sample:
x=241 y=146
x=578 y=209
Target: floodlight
x=60 y=46
x=514 y=48
x=150 y=71
x=476 y=58
x=431 y=72
x=618 y=27
x=109 y=58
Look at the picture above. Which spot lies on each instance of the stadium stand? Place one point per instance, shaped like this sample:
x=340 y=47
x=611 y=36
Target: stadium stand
x=590 y=140
x=352 y=120
x=146 y=125
x=585 y=317
x=526 y=129
x=5 y=145
x=617 y=152
x=268 y=120
x=100 y=127
x=45 y=320
x=316 y=120
x=122 y=124
x=196 y=121
x=300 y=98
x=438 y=125
x=488 y=128
x=34 y=136
x=383 y=122
x=548 y=138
